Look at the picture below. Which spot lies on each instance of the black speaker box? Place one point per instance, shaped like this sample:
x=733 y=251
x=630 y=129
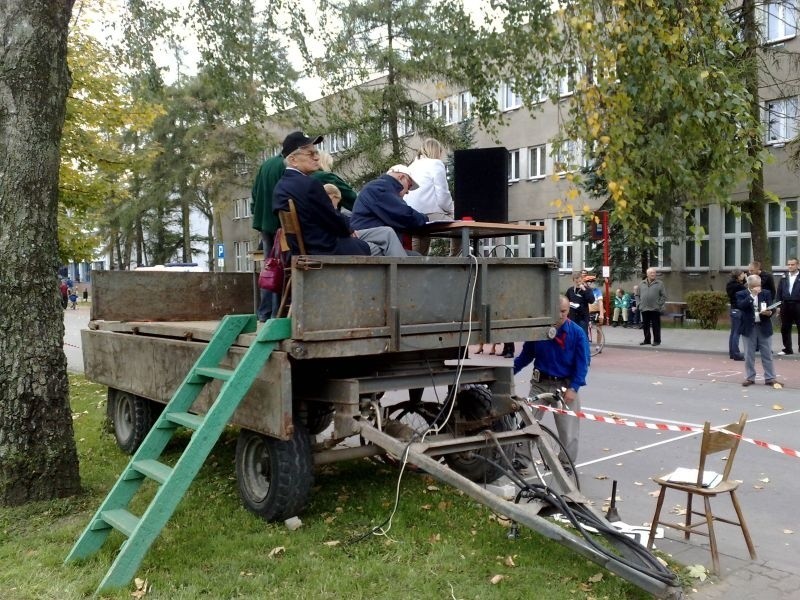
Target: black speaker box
x=481 y=184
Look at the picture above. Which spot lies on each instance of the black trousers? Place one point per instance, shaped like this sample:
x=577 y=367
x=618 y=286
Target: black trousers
x=651 y=319
x=790 y=315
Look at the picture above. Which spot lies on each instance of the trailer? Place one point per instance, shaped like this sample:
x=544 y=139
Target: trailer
x=312 y=388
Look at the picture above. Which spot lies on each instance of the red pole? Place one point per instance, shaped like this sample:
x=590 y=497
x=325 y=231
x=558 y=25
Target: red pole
x=607 y=297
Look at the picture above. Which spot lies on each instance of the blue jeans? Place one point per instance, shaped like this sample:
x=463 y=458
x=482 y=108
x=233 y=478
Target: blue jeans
x=268 y=307
x=736 y=329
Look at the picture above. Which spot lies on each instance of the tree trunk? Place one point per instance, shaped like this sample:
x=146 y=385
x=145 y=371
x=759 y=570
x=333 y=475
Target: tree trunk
x=756 y=200
x=38 y=458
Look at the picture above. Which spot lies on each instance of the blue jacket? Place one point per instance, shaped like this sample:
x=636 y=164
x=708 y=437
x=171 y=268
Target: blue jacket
x=379 y=204
x=566 y=355
x=744 y=302
x=322 y=225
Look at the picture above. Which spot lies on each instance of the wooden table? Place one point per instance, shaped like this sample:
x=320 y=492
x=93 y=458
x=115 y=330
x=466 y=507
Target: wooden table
x=476 y=230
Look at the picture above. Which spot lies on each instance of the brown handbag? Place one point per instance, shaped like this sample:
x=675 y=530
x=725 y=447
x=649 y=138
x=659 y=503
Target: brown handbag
x=272 y=275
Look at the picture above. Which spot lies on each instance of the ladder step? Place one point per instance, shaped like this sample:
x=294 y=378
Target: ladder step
x=153 y=469
x=214 y=373
x=121 y=520
x=186 y=419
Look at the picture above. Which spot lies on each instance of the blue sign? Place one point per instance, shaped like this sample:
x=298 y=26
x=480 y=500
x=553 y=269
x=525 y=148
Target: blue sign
x=220 y=250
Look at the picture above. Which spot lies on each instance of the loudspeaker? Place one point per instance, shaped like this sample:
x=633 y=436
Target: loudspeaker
x=481 y=184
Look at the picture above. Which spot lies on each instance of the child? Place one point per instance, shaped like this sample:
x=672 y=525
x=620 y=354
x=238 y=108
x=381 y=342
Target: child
x=73 y=299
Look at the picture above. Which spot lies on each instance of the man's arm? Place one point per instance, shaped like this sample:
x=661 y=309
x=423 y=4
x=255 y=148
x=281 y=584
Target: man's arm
x=526 y=356
x=580 y=360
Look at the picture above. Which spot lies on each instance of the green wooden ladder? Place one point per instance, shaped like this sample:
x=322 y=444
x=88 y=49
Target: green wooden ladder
x=174 y=481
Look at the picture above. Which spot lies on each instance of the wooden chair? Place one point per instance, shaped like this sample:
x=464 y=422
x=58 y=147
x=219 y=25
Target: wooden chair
x=290 y=225
x=712 y=442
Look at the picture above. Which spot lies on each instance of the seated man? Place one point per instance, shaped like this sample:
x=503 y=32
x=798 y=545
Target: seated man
x=325 y=231
x=380 y=203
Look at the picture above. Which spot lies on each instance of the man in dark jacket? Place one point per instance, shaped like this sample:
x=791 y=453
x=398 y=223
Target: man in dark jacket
x=734 y=286
x=757 y=330
x=325 y=231
x=767 y=281
x=580 y=296
x=380 y=203
x=789 y=295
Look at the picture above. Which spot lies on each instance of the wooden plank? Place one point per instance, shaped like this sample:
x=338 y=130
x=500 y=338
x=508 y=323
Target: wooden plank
x=168 y=296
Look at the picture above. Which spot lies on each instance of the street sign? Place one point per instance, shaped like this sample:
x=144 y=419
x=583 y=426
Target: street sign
x=220 y=250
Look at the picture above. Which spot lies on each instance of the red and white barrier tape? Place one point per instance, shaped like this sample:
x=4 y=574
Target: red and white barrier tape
x=659 y=427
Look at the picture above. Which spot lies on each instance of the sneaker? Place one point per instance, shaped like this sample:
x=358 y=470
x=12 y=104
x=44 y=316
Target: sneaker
x=738 y=357
x=770 y=382
x=785 y=352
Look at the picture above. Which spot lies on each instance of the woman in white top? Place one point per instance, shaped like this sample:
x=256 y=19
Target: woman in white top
x=432 y=198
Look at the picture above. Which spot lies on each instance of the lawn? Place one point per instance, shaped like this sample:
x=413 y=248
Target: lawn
x=442 y=544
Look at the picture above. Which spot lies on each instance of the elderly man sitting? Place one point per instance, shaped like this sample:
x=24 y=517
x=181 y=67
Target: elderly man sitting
x=381 y=202
x=325 y=230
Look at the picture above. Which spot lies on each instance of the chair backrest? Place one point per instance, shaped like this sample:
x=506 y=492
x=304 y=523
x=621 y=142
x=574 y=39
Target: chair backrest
x=291 y=226
x=719 y=441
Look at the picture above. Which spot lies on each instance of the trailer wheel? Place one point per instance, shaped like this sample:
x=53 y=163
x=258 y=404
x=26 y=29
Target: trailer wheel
x=131 y=417
x=475 y=402
x=274 y=476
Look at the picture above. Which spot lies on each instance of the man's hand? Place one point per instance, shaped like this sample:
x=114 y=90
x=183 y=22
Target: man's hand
x=569 y=396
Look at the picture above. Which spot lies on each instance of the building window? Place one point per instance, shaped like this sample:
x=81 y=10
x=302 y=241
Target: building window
x=536 y=242
x=244 y=208
x=566 y=83
x=697 y=243
x=661 y=255
x=782 y=231
x=237 y=210
x=242 y=259
x=509 y=99
x=564 y=243
x=568 y=156
x=465 y=105
x=779 y=20
x=537 y=161
x=736 y=240
x=781 y=120
x=513 y=166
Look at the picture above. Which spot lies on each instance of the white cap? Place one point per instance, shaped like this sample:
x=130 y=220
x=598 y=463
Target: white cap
x=405 y=171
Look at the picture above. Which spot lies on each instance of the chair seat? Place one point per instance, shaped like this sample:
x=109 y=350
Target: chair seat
x=721 y=488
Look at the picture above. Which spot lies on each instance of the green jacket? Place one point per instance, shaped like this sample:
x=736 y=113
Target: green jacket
x=348 y=193
x=261 y=198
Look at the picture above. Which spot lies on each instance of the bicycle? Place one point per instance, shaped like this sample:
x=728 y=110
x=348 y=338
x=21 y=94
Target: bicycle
x=596 y=337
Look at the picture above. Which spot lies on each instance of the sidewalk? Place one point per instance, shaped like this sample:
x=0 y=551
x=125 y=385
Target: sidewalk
x=740 y=579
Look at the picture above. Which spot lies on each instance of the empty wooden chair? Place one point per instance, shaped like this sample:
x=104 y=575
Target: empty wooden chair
x=290 y=225
x=712 y=443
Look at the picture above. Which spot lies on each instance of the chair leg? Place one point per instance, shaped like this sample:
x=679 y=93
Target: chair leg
x=656 y=516
x=688 y=521
x=285 y=305
x=747 y=539
x=712 y=539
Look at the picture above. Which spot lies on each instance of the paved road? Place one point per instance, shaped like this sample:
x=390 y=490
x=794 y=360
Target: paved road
x=688 y=379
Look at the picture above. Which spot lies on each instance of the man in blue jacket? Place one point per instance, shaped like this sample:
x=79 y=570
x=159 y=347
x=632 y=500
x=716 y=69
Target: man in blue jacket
x=380 y=203
x=562 y=362
x=756 y=330
x=325 y=231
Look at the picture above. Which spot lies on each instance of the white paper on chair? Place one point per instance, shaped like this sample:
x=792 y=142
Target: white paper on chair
x=682 y=475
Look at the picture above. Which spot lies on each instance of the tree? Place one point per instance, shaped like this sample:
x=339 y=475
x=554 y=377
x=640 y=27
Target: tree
x=376 y=52
x=658 y=103
x=38 y=458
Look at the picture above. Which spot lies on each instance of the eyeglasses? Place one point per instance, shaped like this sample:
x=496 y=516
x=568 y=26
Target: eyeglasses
x=311 y=153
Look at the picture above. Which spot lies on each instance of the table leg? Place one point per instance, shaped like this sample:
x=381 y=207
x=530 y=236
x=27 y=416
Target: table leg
x=465 y=242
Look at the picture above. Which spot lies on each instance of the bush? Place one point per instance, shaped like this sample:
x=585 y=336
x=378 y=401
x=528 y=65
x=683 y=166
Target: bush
x=707 y=307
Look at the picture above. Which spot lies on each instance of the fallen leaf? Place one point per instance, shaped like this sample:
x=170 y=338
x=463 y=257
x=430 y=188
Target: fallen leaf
x=596 y=578
x=659 y=403
x=276 y=551
x=777 y=406
x=432 y=488
x=619 y=464
x=758 y=487
x=436 y=537
x=443 y=505
x=788 y=531
x=509 y=561
x=329 y=520
x=697 y=572
x=426 y=506
x=601 y=477
x=496 y=579
x=653 y=494
x=657 y=383
x=606 y=449
x=764 y=480
x=332 y=543
x=725 y=409
x=637 y=483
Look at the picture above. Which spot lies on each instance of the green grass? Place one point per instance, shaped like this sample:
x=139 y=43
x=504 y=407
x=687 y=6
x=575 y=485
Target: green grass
x=441 y=545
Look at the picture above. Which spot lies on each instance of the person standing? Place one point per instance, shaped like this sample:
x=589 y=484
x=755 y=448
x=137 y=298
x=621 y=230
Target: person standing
x=266 y=222
x=789 y=295
x=636 y=316
x=432 y=198
x=580 y=296
x=560 y=362
x=651 y=300
x=767 y=281
x=733 y=287
x=757 y=330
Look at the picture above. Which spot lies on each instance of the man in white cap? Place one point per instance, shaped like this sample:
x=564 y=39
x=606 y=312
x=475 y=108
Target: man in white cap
x=380 y=203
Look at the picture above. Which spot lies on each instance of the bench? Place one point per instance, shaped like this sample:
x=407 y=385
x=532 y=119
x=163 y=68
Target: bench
x=676 y=311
